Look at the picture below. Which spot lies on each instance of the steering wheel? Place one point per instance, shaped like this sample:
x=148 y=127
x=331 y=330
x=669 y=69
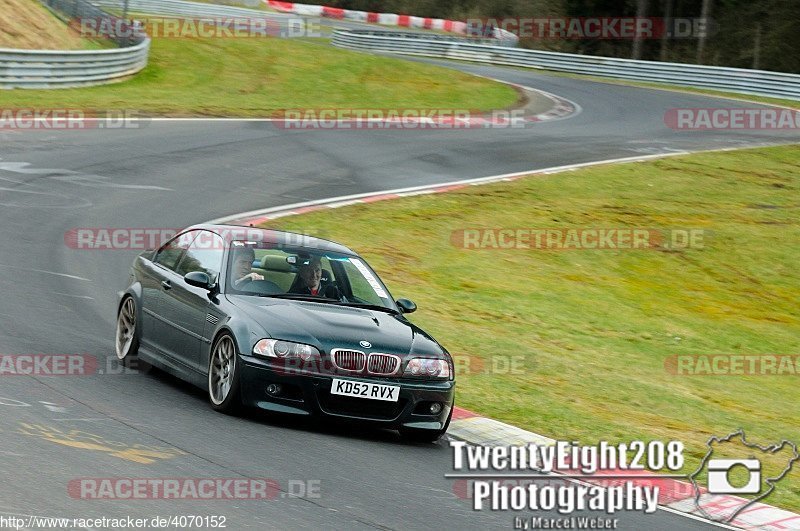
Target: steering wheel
x=259 y=287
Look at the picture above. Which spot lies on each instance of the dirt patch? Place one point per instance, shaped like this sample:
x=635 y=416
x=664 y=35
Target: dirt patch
x=26 y=24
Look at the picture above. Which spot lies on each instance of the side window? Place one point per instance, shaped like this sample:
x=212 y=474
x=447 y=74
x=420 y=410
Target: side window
x=204 y=255
x=169 y=254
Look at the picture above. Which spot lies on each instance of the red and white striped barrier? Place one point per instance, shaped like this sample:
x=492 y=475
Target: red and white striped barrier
x=386 y=19
x=308 y=10
x=416 y=22
x=360 y=16
x=332 y=12
x=285 y=7
x=458 y=27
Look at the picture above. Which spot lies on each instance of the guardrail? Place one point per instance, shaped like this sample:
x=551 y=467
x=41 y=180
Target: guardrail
x=755 y=82
x=75 y=68
x=416 y=35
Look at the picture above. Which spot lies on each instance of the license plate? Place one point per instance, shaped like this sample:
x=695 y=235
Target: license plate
x=373 y=391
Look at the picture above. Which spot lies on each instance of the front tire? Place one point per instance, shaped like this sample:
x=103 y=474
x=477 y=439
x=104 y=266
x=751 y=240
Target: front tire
x=223 y=376
x=127 y=336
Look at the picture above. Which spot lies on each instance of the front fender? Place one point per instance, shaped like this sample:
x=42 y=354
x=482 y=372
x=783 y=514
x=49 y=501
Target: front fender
x=246 y=333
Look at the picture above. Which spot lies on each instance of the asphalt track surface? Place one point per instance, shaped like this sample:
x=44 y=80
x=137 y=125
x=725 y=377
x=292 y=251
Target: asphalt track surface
x=54 y=299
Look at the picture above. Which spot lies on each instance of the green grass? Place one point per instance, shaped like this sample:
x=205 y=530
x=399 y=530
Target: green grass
x=595 y=326
x=254 y=77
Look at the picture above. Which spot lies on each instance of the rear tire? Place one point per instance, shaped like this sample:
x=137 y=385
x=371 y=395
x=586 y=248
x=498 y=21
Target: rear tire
x=223 y=376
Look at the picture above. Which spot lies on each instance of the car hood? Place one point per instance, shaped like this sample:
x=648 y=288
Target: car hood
x=329 y=326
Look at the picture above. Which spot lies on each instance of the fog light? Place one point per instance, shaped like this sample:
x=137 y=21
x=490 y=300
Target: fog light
x=436 y=408
x=273 y=389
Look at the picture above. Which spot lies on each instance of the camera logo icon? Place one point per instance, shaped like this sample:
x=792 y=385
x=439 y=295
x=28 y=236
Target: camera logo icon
x=719 y=472
x=739 y=473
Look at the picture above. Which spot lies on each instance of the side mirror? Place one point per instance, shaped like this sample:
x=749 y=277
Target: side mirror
x=406 y=306
x=198 y=279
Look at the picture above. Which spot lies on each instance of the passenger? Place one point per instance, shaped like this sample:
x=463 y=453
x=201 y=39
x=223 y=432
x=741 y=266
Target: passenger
x=309 y=278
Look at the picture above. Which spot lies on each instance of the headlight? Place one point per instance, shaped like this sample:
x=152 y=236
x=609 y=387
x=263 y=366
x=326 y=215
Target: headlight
x=428 y=368
x=276 y=348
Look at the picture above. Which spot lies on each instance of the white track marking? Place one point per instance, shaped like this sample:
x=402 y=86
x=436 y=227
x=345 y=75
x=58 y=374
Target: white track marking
x=45 y=272
x=53 y=407
x=88 y=298
x=22 y=167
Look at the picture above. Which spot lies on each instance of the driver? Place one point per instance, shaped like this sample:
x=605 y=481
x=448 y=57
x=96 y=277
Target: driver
x=243 y=267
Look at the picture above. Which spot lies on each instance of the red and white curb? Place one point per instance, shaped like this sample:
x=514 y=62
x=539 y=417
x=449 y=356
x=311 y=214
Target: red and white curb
x=562 y=107
x=676 y=496
x=256 y=217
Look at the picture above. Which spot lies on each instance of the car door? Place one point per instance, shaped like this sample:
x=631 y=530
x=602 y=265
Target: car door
x=185 y=307
x=153 y=275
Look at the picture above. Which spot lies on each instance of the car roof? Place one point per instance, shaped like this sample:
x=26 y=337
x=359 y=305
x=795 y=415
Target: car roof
x=241 y=233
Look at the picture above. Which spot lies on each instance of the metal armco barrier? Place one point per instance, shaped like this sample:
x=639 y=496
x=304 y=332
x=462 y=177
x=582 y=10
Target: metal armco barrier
x=756 y=82
x=74 y=68
x=406 y=35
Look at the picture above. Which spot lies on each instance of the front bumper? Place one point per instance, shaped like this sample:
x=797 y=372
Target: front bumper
x=310 y=394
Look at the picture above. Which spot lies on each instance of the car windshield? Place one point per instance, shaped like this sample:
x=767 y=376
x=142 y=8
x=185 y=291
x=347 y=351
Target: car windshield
x=274 y=270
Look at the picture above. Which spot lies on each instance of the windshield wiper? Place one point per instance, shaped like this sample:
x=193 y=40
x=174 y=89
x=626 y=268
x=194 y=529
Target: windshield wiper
x=295 y=297
x=376 y=307
x=314 y=298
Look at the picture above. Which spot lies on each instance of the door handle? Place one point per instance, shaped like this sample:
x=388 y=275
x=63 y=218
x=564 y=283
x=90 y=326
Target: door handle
x=166 y=284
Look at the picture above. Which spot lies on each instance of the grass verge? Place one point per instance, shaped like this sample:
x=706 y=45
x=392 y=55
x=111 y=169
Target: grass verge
x=595 y=328
x=252 y=77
